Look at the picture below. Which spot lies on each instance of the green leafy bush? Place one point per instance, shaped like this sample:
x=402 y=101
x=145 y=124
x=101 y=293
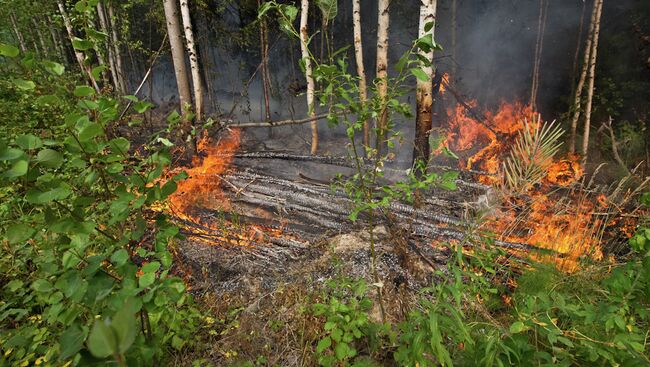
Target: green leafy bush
x=85 y=262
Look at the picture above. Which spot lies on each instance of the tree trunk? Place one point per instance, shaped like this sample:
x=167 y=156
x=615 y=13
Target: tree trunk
x=454 y=41
x=19 y=35
x=56 y=40
x=264 y=53
x=590 y=87
x=581 y=82
x=178 y=53
x=304 y=48
x=423 y=95
x=361 y=70
x=539 y=45
x=41 y=39
x=382 y=73
x=119 y=69
x=194 y=60
x=576 y=56
x=103 y=23
x=78 y=54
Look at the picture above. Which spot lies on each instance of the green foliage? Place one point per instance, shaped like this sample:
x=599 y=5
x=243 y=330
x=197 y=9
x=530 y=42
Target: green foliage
x=86 y=263
x=346 y=321
x=531 y=155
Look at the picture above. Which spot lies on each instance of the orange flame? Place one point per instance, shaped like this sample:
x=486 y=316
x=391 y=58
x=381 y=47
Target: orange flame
x=567 y=230
x=202 y=185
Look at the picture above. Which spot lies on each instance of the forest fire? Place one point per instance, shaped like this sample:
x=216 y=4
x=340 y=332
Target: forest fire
x=564 y=226
x=202 y=185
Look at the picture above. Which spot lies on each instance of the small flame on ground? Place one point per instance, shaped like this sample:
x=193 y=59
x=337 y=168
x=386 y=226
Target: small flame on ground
x=202 y=184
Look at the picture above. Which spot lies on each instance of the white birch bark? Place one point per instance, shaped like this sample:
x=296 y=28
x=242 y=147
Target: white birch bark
x=383 y=24
x=195 y=67
x=423 y=95
x=78 y=54
x=581 y=81
x=178 y=53
x=592 y=77
x=304 y=48
x=361 y=70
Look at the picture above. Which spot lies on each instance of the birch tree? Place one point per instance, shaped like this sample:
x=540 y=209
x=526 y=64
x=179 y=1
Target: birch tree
x=424 y=88
x=592 y=77
x=115 y=42
x=195 y=67
x=103 y=23
x=382 y=72
x=581 y=81
x=78 y=54
x=18 y=33
x=178 y=53
x=361 y=70
x=306 y=57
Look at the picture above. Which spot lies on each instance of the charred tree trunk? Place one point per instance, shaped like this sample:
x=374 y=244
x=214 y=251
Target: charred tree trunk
x=590 y=87
x=383 y=24
x=576 y=56
x=539 y=45
x=304 y=47
x=424 y=89
x=577 y=99
x=264 y=53
x=195 y=65
x=454 y=41
x=18 y=34
x=178 y=53
x=361 y=70
x=78 y=54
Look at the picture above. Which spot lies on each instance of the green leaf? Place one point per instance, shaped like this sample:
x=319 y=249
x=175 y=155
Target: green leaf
x=151 y=267
x=90 y=131
x=9 y=154
x=19 y=168
x=102 y=341
x=42 y=286
x=8 y=50
x=124 y=324
x=97 y=71
x=341 y=350
x=19 y=232
x=142 y=106
x=420 y=74
x=428 y=26
x=29 y=142
x=71 y=342
x=49 y=158
x=146 y=280
x=329 y=8
x=323 y=344
x=120 y=257
x=517 y=327
x=81 y=44
x=24 y=84
x=54 y=67
x=36 y=196
x=83 y=91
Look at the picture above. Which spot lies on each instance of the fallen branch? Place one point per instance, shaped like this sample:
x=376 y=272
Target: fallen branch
x=234 y=124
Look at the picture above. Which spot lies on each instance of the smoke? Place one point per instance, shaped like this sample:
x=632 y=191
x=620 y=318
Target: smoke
x=495 y=43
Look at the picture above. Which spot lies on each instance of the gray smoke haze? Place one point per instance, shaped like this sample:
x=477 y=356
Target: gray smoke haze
x=495 y=43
